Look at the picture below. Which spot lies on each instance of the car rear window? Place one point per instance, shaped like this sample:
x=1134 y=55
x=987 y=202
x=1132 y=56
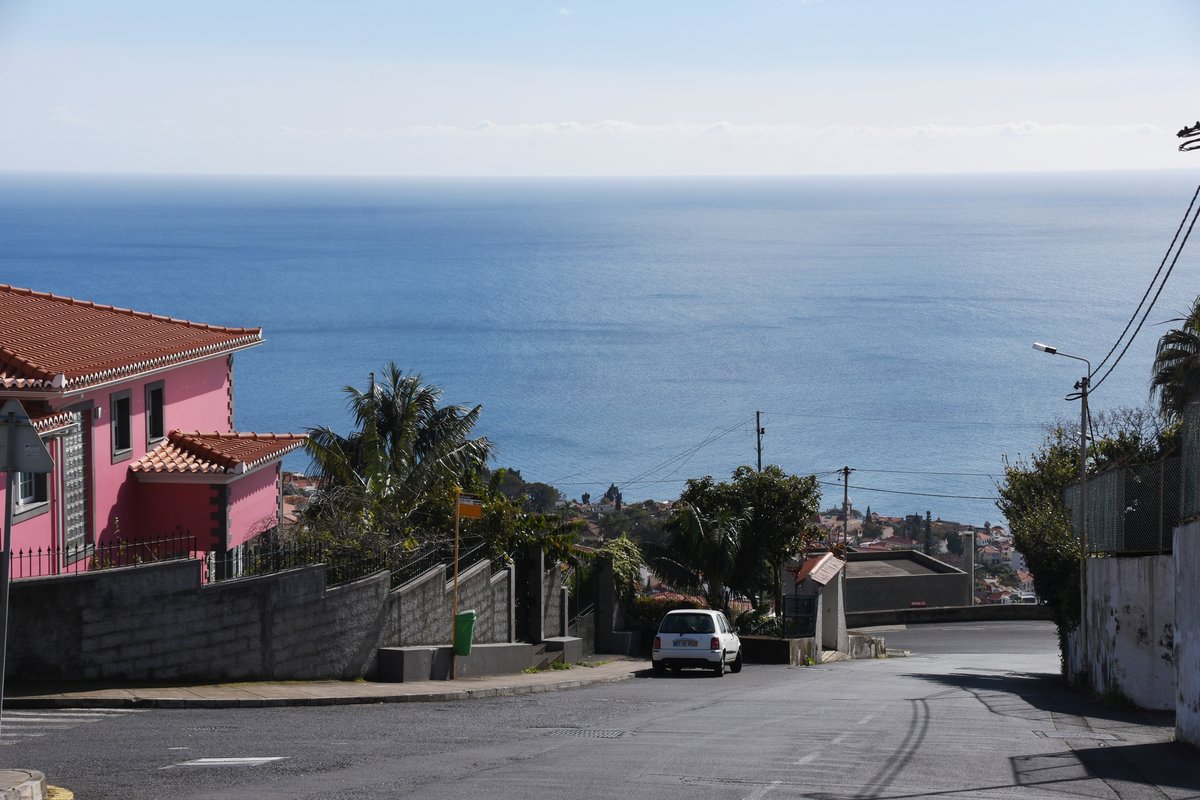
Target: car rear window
x=687 y=623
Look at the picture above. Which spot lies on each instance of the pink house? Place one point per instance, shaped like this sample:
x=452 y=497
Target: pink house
x=136 y=410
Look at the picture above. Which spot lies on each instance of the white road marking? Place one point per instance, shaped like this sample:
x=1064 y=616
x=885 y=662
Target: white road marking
x=761 y=791
x=841 y=738
x=808 y=759
x=17 y=725
x=254 y=761
x=866 y=719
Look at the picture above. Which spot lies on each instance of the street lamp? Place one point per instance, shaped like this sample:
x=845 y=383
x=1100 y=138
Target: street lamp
x=1082 y=385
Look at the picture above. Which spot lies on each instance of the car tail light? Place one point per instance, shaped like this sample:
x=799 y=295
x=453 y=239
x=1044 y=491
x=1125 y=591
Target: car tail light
x=658 y=643
x=715 y=644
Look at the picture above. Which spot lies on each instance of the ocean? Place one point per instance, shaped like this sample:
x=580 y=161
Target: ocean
x=627 y=330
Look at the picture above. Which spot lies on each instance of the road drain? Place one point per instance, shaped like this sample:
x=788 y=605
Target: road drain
x=1080 y=734
x=586 y=733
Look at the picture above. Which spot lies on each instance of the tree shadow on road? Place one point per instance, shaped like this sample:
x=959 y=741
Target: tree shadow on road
x=1043 y=696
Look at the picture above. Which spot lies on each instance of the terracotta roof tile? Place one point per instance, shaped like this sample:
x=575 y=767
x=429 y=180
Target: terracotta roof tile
x=53 y=342
x=54 y=421
x=216 y=453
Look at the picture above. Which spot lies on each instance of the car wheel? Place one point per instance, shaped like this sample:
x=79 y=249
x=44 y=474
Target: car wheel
x=736 y=666
x=719 y=667
x=659 y=668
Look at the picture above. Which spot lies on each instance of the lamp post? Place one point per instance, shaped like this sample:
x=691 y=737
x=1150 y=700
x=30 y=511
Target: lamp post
x=1082 y=386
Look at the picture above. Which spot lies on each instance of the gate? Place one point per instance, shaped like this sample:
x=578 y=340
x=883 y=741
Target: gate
x=799 y=616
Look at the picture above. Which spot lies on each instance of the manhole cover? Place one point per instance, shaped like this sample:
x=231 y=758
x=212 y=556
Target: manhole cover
x=587 y=733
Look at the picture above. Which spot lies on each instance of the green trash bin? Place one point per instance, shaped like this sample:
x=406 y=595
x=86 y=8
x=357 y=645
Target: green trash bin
x=464 y=632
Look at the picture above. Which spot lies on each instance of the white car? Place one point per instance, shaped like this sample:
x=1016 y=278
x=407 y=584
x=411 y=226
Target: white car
x=696 y=637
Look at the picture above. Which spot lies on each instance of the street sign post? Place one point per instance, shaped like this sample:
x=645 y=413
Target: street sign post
x=21 y=450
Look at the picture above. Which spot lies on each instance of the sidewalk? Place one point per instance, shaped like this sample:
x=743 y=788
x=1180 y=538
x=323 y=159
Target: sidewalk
x=319 y=693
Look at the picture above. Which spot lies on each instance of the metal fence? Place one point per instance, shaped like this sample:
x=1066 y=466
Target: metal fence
x=44 y=562
x=344 y=561
x=799 y=616
x=1132 y=509
x=264 y=555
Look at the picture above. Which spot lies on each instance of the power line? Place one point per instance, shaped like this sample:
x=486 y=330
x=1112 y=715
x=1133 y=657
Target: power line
x=914 y=494
x=682 y=458
x=1153 y=280
x=925 y=472
x=943 y=422
x=1161 y=286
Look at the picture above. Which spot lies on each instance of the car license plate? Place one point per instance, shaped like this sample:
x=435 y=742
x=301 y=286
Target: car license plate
x=685 y=642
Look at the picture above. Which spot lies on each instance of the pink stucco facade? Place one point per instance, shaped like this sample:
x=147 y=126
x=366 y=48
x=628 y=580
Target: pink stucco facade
x=196 y=397
x=254 y=504
x=220 y=510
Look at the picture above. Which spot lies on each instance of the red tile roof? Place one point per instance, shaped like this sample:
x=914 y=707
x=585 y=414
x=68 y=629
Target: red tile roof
x=53 y=342
x=53 y=421
x=216 y=453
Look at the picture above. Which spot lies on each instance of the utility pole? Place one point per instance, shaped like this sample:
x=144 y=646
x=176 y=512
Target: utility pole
x=846 y=505
x=759 y=430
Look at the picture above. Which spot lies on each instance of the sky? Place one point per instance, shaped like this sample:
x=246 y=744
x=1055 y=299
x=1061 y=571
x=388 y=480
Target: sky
x=609 y=88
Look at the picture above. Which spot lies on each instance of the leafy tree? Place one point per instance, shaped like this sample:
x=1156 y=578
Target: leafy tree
x=541 y=497
x=1031 y=500
x=642 y=523
x=509 y=527
x=1175 y=375
x=587 y=498
x=776 y=510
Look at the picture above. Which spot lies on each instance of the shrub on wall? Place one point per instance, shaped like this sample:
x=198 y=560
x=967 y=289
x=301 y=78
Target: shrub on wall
x=646 y=612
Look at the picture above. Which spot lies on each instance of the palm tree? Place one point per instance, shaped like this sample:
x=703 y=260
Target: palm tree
x=399 y=467
x=705 y=554
x=1176 y=372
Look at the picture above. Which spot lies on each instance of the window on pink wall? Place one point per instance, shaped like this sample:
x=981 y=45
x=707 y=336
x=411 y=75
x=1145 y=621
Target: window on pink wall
x=121 y=425
x=156 y=425
x=30 y=497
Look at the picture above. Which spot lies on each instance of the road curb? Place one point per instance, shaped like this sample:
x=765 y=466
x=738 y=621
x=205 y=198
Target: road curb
x=22 y=784
x=298 y=700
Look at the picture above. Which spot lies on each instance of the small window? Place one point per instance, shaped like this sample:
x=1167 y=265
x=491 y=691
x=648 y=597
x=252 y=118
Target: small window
x=31 y=488
x=122 y=438
x=30 y=499
x=155 y=421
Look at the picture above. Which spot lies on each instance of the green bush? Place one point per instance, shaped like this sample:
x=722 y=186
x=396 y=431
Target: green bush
x=647 y=611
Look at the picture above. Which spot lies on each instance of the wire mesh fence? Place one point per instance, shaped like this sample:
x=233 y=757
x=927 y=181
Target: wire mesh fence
x=1190 y=461
x=1130 y=510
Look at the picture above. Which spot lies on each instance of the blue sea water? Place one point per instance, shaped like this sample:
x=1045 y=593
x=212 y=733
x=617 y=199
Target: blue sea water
x=626 y=330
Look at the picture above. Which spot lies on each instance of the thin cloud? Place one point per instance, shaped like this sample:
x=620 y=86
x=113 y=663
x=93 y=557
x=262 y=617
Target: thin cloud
x=753 y=131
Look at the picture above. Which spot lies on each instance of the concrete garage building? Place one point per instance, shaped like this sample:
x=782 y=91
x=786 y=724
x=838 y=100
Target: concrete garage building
x=899 y=579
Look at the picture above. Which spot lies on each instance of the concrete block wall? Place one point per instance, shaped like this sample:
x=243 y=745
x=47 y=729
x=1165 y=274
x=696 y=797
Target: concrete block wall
x=552 y=607
x=157 y=623
x=1187 y=634
x=1131 y=628
x=426 y=603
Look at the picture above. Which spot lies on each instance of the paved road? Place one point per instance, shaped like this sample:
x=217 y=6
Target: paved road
x=956 y=719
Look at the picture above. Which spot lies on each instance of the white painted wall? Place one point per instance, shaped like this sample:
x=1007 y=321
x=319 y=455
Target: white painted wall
x=1131 y=628
x=1187 y=633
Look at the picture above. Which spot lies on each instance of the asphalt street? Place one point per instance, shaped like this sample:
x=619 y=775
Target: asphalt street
x=975 y=712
